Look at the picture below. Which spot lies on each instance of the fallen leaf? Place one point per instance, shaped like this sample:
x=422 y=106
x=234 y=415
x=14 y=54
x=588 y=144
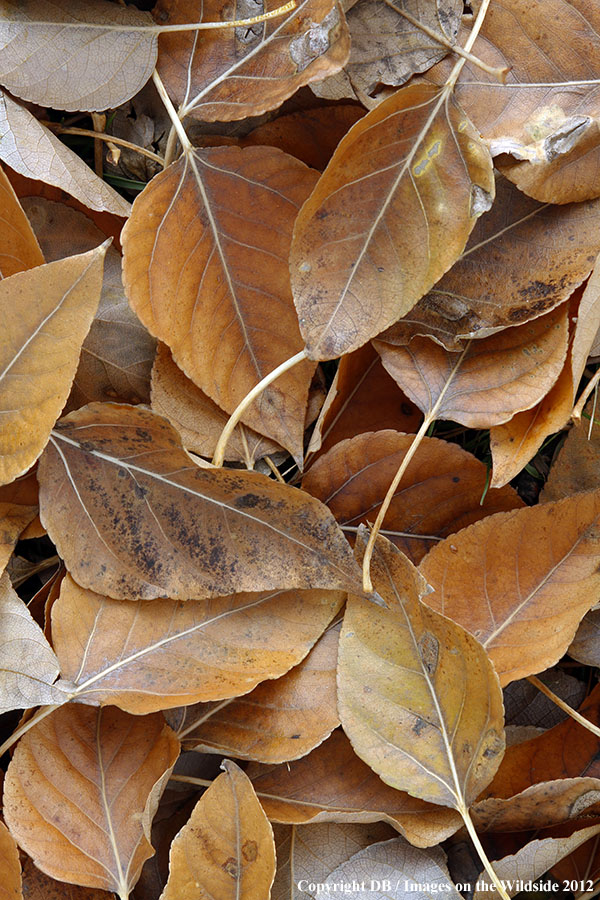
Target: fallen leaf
x=18 y=507
x=60 y=55
x=353 y=266
x=580 y=865
x=162 y=653
x=332 y=784
x=520 y=581
x=39 y=886
x=19 y=249
x=11 y=886
x=585 y=646
x=278 y=721
x=233 y=73
x=539 y=806
x=82 y=789
x=46 y=313
x=226 y=851
x=163 y=527
x=197 y=418
x=577 y=466
x=441 y=491
x=418 y=733
x=205 y=268
x=525 y=705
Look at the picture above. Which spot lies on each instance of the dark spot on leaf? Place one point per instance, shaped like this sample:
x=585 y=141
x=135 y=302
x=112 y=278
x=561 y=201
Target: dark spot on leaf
x=250 y=850
x=419 y=725
x=231 y=867
x=294 y=737
x=455 y=479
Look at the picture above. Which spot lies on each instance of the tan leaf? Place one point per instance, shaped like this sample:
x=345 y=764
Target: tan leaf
x=18 y=507
x=440 y=492
x=539 y=806
x=19 y=249
x=45 y=314
x=577 y=466
x=278 y=721
x=32 y=150
x=28 y=666
x=521 y=581
x=81 y=791
x=332 y=784
x=39 y=886
x=162 y=653
x=230 y=74
x=585 y=646
x=160 y=526
x=197 y=418
x=417 y=732
x=226 y=851
x=117 y=355
x=60 y=54
x=11 y=886
x=205 y=268
x=353 y=265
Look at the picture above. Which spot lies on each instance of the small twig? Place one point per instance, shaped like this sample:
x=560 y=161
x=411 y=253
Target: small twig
x=274 y=469
x=99 y=121
x=109 y=138
x=403 y=534
x=593 y=415
x=564 y=706
x=42 y=712
x=481 y=853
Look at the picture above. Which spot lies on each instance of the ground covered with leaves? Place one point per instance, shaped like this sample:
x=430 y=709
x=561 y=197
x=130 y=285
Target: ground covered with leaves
x=299 y=451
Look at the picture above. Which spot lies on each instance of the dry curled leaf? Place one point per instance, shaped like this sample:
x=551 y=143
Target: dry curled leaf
x=539 y=806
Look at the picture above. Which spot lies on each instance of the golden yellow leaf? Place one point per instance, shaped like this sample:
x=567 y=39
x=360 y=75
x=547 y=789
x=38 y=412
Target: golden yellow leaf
x=19 y=249
x=11 y=887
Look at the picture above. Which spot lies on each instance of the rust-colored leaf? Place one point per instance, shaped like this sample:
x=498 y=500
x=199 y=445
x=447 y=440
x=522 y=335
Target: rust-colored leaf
x=354 y=262
x=81 y=791
x=234 y=73
x=11 y=887
x=161 y=653
x=226 y=851
x=19 y=249
x=45 y=315
x=205 y=268
x=132 y=516
x=440 y=492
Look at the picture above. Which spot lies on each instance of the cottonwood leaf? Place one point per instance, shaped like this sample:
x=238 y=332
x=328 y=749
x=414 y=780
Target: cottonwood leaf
x=132 y=516
x=39 y=886
x=496 y=377
x=28 y=666
x=162 y=653
x=197 y=418
x=440 y=492
x=117 y=354
x=525 y=705
x=332 y=784
x=11 y=885
x=532 y=860
x=279 y=720
x=226 y=851
x=585 y=646
x=231 y=73
x=82 y=789
x=577 y=465
x=72 y=54
x=581 y=863
x=539 y=806
x=420 y=733
x=18 y=507
x=19 y=249
x=205 y=268
x=367 y=244
x=520 y=581
x=45 y=315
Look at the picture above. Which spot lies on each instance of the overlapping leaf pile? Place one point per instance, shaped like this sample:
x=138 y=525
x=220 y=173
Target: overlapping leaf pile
x=418 y=199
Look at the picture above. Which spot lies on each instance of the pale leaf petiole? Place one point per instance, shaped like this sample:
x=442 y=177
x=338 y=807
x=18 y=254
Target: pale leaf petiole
x=481 y=852
x=581 y=720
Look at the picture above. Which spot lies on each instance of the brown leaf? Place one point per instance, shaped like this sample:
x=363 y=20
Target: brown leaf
x=497 y=377
x=278 y=721
x=39 y=886
x=59 y=55
x=11 y=887
x=440 y=492
x=585 y=646
x=46 y=313
x=205 y=268
x=197 y=418
x=521 y=581
x=234 y=73
x=19 y=249
x=332 y=784
x=81 y=791
x=417 y=732
x=162 y=653
x=577 y=466
x=353 y=265
x=226 y=851
x=543 y=804
x=525 y=705
x=163 y=527
x=31 y=149
x=18 y=507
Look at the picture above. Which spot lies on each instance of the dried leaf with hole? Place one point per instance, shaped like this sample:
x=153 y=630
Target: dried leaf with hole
x=332 y=784
x=234 y=73
x=32 y=150
x=205 y=268
x=161 y=653
x=11 y=886
x=417 y=732
x=82 y=789
x=60 y=54
x=226 y=851
x=132 y=516
x=441 y=491
x=19 y=249
x=521 y=581
x=279 y=720
x=353 y=261
x=45 y=315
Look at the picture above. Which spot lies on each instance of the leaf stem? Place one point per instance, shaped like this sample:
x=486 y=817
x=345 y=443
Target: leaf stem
x=42 y=712
x=250 y=398
x=578 y=408
x=564 y=706
x=175 y=120
x=100 y=135
x=481 y=852
x=171 y=147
